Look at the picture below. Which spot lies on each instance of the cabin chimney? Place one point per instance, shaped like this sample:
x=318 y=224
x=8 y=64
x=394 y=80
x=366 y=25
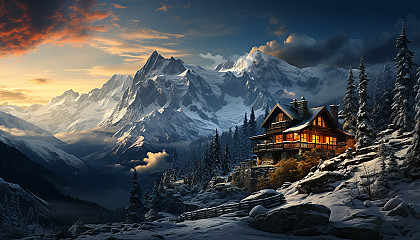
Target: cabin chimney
x=294 y=103
x=334 y=112
x=302 y=107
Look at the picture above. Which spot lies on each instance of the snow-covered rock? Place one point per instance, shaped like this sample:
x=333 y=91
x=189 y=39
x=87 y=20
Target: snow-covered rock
x=292 y=218
x=257 y=210
x=391 y=204
x=319 y=182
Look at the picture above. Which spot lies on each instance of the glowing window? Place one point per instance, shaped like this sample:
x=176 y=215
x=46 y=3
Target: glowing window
x=315 y=138
x=280 y=117
x=279 y=138
x=296 y=137
x=304 y=137
x=289 y=137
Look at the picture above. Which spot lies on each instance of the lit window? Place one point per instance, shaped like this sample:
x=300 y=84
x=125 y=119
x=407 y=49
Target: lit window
x=315 y=138
x=280 y=117
x=289 y=137
x=304 y=137
x=296 y=137
x=279 y=138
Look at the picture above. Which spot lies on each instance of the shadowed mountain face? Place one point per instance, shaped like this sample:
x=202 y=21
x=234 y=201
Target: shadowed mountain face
x=16 y=168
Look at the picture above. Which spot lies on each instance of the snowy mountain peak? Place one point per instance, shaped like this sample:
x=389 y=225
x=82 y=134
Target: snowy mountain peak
x=158 y=65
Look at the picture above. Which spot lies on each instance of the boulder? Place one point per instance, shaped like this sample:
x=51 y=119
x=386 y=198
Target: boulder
x=319 y=183
x=400 y=210
x=257 y=210
x=391 y=204
x=265 y=193
x=415 y=211
x=293 y=218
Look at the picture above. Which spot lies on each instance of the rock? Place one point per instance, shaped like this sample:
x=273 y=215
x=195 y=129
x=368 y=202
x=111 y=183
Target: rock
x=415 y=211
x=367 y=203
x=400 y=210
x=359 y=231
x=319 y=183
x=76 y=229
x=257 y=210
x=391 y=204
x=265 y=193
x=293 y=218
x=152 y=215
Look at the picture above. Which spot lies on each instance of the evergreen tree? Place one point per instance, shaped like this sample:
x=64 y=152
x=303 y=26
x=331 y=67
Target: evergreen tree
x=135 y=212
x=6 y=221
x=174 y=171
x=401 y=110
x=413 y=155
x=236 y=146
x=252 y=123
x=383 y=99
x=393 y=169
x=227 y=165
x=245 y=144
x=350 y=106
x=217 y=156
x=382 y=182
x=207 y=167
x=364 y=132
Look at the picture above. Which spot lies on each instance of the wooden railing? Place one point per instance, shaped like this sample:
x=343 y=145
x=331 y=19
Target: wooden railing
x=232 y=207
x=267 y=147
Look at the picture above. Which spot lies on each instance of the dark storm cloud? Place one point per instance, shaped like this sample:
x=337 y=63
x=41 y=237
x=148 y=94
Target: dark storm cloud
x=341 y=50
x=24 y=24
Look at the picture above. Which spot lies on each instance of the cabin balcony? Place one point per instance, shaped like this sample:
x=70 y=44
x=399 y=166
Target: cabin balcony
x=281 y=146
x=278 y=127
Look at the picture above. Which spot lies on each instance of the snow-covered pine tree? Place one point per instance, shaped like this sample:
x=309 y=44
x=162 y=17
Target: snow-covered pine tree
x=382 y=182
x=350 y=105
x=135 y=211
x=217 y=156
x=393 y=170
x=174 y=171
x=383 y=99
x=207 y=167
x=402 y=113
x=236 y=146
x=227 y=164
x=413 y=155
x=245 y=144
x=252 y=123
x=364 y=133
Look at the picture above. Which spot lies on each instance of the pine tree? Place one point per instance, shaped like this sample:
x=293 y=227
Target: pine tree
x=245 y=145
x=207 y=167
x=413 y=155
x=350 y=106
x=6 y=222
x=252 y=123
x=401 y=110
x=236 y=146
x=174 y=171
x=364 y=132
x=383 y=99
x=217 y=156
x=382 y=182
x=227 y=165
x=393 y=169
x=135 y=212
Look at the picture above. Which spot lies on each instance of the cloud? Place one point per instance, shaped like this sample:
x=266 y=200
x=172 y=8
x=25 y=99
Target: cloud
x=276 y=26
x=14 y=96
x=40 y=80
x=147 y=33
x=155 y=162
x=26 y=24
x=164 y=8
x=302 y=51
x=115 y=166
x=115 y=5
x=12 y=131
x=217 y=59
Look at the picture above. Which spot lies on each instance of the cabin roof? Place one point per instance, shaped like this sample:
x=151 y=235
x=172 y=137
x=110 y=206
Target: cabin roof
x=312 y=113
x=290 y=111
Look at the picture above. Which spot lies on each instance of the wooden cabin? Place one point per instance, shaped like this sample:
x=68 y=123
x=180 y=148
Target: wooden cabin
x=290 y=129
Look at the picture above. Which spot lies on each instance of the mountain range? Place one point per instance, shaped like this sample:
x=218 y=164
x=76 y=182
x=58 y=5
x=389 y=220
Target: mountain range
x=167 y=104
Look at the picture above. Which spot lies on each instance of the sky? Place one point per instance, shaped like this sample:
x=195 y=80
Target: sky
x=49 y=46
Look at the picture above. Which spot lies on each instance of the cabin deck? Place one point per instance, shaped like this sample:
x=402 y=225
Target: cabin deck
x=274 y=147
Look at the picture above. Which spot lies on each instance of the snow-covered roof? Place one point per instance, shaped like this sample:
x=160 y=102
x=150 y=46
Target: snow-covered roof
x=312 y=113
x=290 y=111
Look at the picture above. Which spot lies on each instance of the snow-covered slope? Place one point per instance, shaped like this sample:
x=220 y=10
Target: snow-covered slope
x=40 y=146
x=73 y=111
